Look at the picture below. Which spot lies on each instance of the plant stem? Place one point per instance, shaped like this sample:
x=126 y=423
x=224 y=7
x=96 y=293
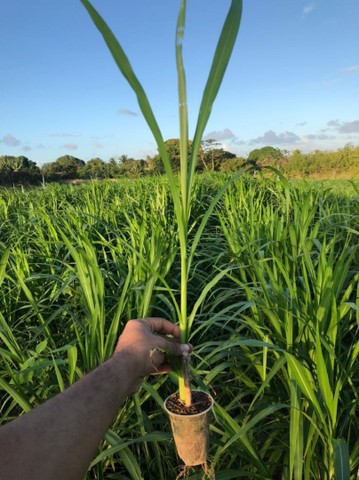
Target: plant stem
x=184 y=380
x=186 y=358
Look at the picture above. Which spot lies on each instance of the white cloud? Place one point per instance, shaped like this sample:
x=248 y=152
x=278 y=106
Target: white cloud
x=344 y=127
x=333 y=123
x=124 y=111
x=10 y=141
x=353 y=69
x=70 y=146
x=225 y=134
x=64 y=134
x=321 y=136
x=349 y=127
x=309 y=8
x=272 y=138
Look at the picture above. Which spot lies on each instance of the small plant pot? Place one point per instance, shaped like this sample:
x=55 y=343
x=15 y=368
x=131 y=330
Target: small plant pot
x=191 y=427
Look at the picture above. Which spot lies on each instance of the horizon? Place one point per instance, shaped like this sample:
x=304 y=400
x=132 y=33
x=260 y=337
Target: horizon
x=286 y=153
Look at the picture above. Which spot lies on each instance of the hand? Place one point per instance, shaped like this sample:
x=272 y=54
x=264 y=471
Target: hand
x=147 y=341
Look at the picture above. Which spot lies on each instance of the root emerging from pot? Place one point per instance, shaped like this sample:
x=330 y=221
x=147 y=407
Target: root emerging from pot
x=208 y=473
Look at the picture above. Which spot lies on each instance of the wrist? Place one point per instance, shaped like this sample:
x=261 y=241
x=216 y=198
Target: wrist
x=127 y=368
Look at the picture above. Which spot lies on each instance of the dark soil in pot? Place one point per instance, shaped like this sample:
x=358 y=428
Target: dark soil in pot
x=200 y=402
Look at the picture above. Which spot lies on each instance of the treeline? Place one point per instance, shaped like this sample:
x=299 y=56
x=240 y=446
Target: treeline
x=22 y=171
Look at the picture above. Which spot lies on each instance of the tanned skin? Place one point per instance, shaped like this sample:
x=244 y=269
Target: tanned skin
x=58 y=439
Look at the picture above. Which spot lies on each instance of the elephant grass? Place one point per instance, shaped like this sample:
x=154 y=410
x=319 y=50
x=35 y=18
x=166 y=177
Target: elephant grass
x=276 y=335
x=182 y=194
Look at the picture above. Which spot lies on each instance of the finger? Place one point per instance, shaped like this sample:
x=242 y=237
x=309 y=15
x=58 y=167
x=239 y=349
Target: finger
x=173 y=347
x=162 y=326
x=157 y=359
x=185 y=347
x=164 y=368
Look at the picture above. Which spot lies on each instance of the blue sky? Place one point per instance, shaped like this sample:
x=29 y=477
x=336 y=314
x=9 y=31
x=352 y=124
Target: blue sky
x=292 y=81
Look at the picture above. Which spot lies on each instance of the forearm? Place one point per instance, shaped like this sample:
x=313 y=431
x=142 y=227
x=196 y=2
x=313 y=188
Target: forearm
x=59 y=439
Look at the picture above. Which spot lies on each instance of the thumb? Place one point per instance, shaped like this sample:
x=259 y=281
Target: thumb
x=175 y=348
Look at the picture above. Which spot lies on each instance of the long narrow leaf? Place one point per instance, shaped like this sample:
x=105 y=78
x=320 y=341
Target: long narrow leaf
x=219 y=65
x=341 y=459
x=182 y=101
x=19 y=399
x=305 y=382
x=125 y=67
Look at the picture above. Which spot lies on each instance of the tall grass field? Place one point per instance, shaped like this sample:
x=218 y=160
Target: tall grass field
x=273 y=290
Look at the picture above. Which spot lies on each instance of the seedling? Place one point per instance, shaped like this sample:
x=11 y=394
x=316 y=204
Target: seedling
x=182 y=192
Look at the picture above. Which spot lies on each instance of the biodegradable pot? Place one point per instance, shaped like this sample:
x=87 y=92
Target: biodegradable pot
x=191 y=430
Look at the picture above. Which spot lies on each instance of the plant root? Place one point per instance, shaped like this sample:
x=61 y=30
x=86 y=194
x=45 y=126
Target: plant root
x=208 y=472
x=184 y=472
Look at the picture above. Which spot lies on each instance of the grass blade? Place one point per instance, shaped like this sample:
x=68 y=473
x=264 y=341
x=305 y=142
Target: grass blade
x=341 y=459
x=125 y=67
x=219 y=65
x=305 y=382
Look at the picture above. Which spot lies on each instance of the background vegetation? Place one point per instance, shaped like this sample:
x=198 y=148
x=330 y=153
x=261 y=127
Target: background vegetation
x=276 y=340
x=343 y=163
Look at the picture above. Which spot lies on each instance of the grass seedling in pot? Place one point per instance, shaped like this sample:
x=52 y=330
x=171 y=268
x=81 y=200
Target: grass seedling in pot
x=182 y=191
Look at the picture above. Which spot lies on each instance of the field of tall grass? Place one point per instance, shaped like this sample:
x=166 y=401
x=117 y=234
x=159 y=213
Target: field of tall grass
x=273 y=292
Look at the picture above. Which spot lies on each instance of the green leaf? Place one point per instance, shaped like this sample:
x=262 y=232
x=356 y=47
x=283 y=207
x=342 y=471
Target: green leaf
x=182 y=102
x=19 y=399
x=125 y=67
x=219 y=65
x=60 y=380
x=72 y=361
x=323 y=378
x=305 y=382
x=295 y=433
x=3 y=263
x=341 y=459
x=41 y=346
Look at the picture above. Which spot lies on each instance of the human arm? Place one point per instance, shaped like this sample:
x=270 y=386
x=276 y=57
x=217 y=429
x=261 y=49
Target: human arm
x=58 y=439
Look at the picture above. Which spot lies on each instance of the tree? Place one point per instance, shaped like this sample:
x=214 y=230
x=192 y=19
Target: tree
x=233 y=164
x=261 y=157
x=15 y=170
x=132 y=168
x=211 y=155
x=95 y=168
x=204 y=154
x=113 y=169
x=64 y=167
x=173 y=149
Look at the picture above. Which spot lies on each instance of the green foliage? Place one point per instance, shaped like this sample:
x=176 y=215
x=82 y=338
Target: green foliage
x=276 y=337
x=233 y=164
x=64 y=167
x=174 y=154
x=132 y=168
x=318 y=164
x=18 y=170
x=211 y=157
x=94 y=168
x=265 y=156
x=323 y=164
x=182 y=194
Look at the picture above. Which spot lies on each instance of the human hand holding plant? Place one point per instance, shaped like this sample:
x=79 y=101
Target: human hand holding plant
x=48 y=442
x=149 y=342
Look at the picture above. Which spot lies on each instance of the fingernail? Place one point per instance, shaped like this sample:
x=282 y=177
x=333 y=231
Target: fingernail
x=185 y=348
